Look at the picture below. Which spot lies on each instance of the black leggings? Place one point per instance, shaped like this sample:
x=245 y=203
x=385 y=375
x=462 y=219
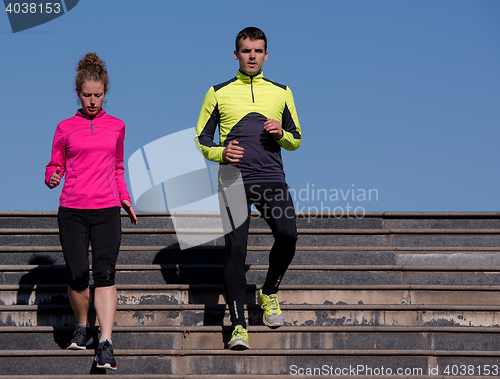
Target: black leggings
x=102 y=227
x=275 y=205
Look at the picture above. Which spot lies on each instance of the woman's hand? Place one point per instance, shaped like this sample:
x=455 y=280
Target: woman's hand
x=128 y=208
x=55 y=179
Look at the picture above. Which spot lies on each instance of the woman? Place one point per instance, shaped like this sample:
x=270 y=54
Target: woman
x=88 y=148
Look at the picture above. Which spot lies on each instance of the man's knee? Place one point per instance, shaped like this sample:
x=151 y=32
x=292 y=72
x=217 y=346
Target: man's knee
x=288 y=237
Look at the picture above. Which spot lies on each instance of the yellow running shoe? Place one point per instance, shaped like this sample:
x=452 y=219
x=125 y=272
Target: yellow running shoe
x=239 y=339
x=272 y=316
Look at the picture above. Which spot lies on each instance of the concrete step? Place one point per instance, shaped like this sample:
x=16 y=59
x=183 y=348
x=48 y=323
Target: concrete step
x=214 y=256
x=197 y=220
x=257 y=362
x=297 y=274
x=263 y=237
x=314 y=255
x=299 y=294
x=441 y=220
x=297 y=371
x=356 y=255
x=298 y=315
x=371 y=220
x=261 y=337
x=281 y=376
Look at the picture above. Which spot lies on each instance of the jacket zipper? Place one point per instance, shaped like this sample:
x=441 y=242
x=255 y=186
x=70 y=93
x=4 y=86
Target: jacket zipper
x=91 y=127
x=251 y=87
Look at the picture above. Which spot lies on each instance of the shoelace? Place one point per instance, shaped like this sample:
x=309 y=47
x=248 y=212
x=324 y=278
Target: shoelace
x=105 y=346
x=272 y=304
x=106 y=349
x=240 y=333
x=80 y=331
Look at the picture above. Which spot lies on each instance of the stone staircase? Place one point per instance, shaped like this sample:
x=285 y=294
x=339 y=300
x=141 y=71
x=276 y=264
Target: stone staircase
x=405 y=294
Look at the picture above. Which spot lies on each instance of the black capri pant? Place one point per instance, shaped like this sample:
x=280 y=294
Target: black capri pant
x=100 y=227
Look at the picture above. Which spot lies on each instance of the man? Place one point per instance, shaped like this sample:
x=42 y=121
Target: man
x=256 y=118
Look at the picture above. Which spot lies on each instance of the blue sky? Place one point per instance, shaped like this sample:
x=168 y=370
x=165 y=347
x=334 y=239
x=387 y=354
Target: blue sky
x=398 y=97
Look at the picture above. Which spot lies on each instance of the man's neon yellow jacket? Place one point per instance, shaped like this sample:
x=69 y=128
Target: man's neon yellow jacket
x=240 y=107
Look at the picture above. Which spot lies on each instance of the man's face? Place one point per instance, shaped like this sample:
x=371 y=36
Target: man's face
x=252 y=55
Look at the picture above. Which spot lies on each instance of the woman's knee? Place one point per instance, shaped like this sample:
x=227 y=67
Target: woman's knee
x=79 y=282
x=104 y=275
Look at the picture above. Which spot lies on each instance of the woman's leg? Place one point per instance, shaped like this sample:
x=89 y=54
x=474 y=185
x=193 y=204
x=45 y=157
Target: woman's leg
x=105 y=236
x=105 y=301
x=74 y=237
x=80 y=301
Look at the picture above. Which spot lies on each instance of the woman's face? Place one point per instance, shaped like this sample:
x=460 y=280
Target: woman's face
x=91 y=96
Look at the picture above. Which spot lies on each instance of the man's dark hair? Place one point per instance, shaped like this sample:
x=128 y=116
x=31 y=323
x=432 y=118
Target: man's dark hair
x=253 y=33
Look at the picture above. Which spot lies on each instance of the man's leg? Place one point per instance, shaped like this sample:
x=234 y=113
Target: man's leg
x=235 y=283
x=276 y=206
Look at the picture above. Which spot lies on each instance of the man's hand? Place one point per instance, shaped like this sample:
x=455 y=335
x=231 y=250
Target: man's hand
x=128 y=208
x=233 y=152
x=55 y=179
x=274 y=128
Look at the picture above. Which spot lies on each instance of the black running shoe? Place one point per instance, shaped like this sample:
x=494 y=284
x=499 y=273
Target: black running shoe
x=104 y=356
x=82 y=337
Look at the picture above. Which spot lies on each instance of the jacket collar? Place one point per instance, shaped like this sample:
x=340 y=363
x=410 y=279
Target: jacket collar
x=81 y=113
x=249 y=78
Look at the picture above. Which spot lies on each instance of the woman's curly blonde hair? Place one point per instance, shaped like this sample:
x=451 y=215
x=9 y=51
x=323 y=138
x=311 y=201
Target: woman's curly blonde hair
x=91 y=68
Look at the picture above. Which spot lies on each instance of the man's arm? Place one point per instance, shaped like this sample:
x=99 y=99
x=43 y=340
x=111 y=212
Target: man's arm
x=205 y=129
x=292 y=135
